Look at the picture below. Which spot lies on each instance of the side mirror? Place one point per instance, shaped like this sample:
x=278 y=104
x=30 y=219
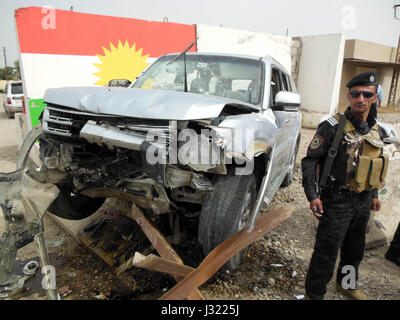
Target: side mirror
x=119 y=83
x=1 y=91
x=287 y=101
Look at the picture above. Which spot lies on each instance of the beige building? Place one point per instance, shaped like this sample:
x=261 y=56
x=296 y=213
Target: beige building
x=3 y=84
x=361 y=56
x=322 y=65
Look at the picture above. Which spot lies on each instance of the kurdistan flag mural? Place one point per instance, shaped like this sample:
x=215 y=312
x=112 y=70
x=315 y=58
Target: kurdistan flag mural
x=61 y=48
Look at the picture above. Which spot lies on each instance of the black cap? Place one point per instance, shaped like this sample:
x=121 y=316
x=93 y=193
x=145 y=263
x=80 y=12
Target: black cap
x=363 y=79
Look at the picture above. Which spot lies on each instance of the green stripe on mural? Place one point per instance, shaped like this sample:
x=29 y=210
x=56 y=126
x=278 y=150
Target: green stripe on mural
x=36 y=107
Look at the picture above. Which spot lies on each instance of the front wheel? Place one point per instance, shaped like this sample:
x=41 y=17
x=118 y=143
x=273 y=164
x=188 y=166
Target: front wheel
x=226 y=211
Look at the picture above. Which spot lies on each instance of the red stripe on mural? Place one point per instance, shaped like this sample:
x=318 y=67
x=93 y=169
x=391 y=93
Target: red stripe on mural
x=74 y=33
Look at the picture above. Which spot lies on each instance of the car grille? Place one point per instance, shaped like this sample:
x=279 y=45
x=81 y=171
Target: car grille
x=65 y=122
x=69 y=123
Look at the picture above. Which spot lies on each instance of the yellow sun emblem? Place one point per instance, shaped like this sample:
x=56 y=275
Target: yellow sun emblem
x=123 y=62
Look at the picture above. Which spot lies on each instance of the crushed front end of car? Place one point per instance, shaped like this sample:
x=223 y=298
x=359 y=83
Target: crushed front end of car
x=186 y=139
x=154 y=163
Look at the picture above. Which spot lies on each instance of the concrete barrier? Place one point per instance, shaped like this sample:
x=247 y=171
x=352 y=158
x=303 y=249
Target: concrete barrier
x=383 y=224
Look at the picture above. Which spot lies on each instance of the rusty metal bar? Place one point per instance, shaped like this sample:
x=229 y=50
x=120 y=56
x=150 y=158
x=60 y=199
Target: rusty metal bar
x=395 y=78
x=161 y=245
x=155 y=263
x=224 y=251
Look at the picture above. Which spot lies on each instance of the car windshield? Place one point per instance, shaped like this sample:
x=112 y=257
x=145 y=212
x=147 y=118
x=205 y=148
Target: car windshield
x=16 y=88
x=230 y=77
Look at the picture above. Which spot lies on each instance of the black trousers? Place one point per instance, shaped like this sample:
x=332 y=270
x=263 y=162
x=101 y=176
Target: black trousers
x=394 y=247
x=342 y=226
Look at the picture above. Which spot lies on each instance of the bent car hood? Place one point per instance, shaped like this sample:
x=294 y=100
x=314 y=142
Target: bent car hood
x=141 y=103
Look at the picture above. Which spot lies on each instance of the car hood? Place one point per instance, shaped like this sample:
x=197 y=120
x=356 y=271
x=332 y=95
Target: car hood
x=142 y=103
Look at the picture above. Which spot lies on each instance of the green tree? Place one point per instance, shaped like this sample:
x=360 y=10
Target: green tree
x=10 y=71
x=17 y=70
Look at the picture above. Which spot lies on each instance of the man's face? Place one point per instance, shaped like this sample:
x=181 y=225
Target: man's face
x=361 y=98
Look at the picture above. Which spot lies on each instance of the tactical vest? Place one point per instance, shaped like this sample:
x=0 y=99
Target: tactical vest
x=366 y=165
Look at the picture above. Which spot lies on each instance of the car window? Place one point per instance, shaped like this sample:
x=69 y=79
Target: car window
x=275 y=84
x=229 y=77
x=16 y=88
x=285 y=84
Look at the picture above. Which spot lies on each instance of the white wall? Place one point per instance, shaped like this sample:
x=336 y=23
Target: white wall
x=61 y=71
x=320 y=74
x=227 y=40
x=43 y=71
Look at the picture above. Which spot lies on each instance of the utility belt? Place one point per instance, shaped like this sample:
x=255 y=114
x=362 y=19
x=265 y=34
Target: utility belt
x=334 y=193
x=334 y=188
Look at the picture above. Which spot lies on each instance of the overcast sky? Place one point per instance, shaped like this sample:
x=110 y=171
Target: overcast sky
x=370 y=20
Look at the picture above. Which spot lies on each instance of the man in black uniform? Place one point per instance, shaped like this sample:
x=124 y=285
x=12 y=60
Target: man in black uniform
x=350 y=192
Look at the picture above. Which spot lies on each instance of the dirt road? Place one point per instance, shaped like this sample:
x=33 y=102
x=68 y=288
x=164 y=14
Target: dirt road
x=273 y=269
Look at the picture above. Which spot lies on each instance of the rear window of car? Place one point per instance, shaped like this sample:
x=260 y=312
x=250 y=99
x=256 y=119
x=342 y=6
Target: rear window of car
x=16 y=88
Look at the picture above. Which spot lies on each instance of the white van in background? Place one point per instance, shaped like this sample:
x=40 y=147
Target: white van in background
x=12 y=99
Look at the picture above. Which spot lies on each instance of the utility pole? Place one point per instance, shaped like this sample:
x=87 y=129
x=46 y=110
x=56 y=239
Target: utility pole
x=5 y=62
x=396 y=69
x=395 y=78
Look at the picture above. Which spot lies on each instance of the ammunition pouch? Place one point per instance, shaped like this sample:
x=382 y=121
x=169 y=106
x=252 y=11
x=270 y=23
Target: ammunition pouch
x=365 y=164
x=370 y=174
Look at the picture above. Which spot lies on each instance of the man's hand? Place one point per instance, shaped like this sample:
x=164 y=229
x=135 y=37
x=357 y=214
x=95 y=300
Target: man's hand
x=316 y=207
x=375 y=204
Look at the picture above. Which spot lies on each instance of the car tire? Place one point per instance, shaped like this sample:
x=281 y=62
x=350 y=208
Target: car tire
x=226 y=211
x=73 y=206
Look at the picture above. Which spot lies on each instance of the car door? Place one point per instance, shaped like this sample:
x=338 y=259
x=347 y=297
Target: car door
x=282 y=119
x=291 y=122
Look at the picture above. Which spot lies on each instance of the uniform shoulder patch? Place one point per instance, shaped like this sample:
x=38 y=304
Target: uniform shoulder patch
x=332 y=121
x=316 y=142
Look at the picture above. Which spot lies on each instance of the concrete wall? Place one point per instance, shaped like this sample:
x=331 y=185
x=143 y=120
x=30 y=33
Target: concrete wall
x=383 y=224
x=360 y=49
x=219 y=39
x=81 y=49
x=296 y=54
x=348 y=72
x=370 y=51
x=3 y=84
x=384 y=78
x=319 y=76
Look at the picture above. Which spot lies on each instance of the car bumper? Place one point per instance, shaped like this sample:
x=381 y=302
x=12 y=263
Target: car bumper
x=12 y=109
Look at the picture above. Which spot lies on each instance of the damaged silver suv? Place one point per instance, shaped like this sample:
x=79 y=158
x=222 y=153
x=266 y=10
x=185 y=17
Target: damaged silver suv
x=204 y=137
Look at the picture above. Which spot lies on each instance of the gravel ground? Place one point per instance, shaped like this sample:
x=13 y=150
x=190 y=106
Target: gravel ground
x=274 y=267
